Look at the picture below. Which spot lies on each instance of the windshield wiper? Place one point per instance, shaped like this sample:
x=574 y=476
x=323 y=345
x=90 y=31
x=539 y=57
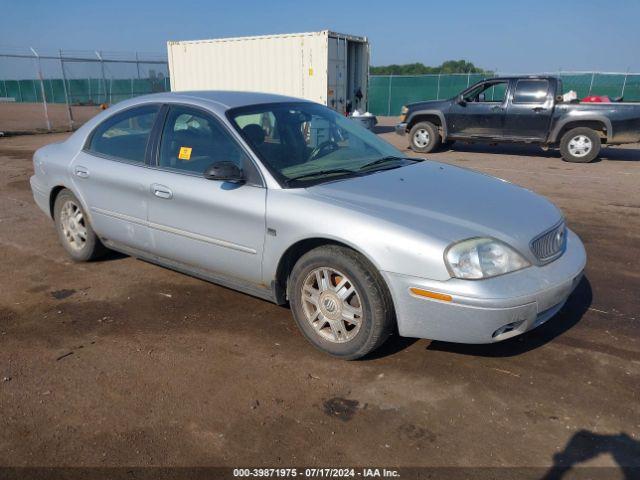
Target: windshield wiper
x=389 y=158
x=320 y=173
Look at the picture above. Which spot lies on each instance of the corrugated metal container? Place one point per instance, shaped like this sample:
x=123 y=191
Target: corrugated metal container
x=325 y=67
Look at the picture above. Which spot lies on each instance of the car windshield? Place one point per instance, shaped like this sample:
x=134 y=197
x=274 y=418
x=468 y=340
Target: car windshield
x=307 y=143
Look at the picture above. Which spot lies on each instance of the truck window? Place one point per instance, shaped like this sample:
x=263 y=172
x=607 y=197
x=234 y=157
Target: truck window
x=488 y=92
x=531 y=91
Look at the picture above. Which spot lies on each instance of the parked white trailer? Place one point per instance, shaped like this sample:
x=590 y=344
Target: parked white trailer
x=325 y=67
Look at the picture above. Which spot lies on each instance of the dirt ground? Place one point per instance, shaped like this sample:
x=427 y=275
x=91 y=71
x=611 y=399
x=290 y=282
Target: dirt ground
x=120 y=362
x=29 y=117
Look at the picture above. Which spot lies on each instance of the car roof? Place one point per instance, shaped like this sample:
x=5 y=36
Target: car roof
x=226 y=99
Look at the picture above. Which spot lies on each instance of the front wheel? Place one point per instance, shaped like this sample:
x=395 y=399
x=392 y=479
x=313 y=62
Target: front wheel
x=580 y=145
x=340 y=302
x=424 y=137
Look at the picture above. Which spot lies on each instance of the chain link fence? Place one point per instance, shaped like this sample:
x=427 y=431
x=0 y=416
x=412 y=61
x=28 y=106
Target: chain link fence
x=60 y=90
x=388 y=93
x=53 y=91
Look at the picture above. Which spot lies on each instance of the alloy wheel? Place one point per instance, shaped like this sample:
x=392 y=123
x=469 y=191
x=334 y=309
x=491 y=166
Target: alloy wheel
x=73 y=225
x=332 y=305
x=580 y=146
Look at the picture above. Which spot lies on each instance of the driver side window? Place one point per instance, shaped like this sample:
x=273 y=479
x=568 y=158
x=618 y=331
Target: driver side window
x=489 y=92
x=193 y=140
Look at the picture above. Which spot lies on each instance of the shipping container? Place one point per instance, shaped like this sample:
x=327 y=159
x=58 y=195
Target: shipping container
x=325 y=67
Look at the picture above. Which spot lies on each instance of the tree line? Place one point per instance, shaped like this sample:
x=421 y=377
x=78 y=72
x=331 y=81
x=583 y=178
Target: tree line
x=450 y=66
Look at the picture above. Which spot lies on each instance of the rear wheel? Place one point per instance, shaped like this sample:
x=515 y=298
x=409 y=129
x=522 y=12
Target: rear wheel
x=580 y=145
x=424 y=137
x=340 y=302
x=74 y=229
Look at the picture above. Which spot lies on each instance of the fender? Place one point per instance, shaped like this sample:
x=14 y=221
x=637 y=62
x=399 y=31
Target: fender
x=438 y=113
x=577 y=116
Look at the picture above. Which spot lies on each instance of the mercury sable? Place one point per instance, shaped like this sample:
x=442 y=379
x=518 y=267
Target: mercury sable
x=286 y=200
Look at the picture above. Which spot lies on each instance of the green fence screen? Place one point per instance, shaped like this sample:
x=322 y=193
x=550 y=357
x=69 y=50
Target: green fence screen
x=85 y=91
x=387 y=93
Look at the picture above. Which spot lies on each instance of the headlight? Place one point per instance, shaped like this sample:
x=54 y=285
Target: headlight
x=482 y=258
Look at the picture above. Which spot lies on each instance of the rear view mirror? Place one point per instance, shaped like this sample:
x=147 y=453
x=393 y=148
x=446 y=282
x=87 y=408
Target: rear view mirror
x=224 y=171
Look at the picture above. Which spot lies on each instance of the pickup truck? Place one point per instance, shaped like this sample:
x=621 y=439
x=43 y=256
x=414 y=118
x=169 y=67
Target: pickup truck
x=523 y=110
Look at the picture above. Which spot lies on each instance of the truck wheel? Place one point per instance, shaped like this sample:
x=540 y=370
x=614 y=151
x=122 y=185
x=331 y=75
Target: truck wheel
x=580 y=145
x=424 y=137
x=340 y=302
x=74 y=230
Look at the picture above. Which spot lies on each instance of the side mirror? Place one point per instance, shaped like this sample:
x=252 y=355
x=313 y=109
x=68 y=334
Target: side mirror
x=460 y=100
x=224 y=171
x=481 y=97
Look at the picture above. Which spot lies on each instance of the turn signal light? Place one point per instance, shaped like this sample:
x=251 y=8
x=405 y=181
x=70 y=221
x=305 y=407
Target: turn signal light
x=435 y=295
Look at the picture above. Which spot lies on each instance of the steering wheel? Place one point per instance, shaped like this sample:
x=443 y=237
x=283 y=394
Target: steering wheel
x=325 y=148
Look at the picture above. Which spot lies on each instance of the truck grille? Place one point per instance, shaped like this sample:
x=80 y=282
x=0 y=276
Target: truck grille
x=550 y=245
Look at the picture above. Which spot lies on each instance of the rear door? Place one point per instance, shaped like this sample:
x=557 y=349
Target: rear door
x=529 y=109
x=111 y=176
x=211 y=225
x=482 y=114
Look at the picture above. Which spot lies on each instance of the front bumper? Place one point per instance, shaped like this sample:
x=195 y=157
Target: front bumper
x=491 y=310
x=401 y=128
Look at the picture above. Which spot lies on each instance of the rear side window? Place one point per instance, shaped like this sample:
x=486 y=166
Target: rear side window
x=531 y=91
x=125 y=135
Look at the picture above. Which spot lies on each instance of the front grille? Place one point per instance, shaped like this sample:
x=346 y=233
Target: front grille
x=550 y=245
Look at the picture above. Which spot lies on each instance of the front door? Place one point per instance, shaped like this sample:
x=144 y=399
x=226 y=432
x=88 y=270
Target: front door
x=481 y=114
x=111 y=177
x=530 y=108
x=210 y=225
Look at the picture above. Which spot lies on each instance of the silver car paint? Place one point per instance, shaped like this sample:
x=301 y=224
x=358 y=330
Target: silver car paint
x=402 y=220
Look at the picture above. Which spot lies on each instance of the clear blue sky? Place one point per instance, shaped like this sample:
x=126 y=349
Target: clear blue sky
x=510 y=36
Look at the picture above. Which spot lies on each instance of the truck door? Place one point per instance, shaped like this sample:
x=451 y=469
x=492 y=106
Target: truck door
x=481 y=111
x=529 y=109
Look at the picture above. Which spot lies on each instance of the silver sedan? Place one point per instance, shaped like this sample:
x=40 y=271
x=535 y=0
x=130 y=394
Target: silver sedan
x=288 y=201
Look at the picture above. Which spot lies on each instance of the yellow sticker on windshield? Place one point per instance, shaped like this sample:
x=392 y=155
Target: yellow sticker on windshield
x=185 y=153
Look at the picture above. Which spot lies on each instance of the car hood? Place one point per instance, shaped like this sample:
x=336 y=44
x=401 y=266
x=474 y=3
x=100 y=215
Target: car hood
x=427 y=105
x=446 y=202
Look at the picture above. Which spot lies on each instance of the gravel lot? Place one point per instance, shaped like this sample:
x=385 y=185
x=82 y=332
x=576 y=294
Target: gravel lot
x=29 y=117
x=121 y=362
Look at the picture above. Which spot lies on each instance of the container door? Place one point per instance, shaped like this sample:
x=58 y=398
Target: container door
x=337 y=81
x=357 y=70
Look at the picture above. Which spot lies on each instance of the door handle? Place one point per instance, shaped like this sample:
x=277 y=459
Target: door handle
x=161 y=191
x=496 y=108
x=81 y=172
x=538 y=109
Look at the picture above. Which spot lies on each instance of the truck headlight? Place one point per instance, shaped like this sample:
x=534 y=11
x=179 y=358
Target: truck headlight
x=403 y=113
x=482 y=258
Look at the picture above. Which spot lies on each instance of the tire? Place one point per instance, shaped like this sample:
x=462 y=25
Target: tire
x=74 y=229
x=424 y=137
x=580 y=145
x=319 y=312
